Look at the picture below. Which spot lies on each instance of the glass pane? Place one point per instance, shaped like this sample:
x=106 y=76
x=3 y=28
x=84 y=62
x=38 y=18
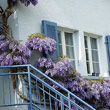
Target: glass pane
x=60 y=50
x=87 y=55
x=73 y=64
x=88 y=67
x=96 y=68
x=85 y=41
x=70 y=52
x=93 y=43
x=95 y=56
x=59 y=37
x=68 y=39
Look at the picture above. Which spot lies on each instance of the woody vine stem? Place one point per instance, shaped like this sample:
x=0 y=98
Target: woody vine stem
x=4 y=15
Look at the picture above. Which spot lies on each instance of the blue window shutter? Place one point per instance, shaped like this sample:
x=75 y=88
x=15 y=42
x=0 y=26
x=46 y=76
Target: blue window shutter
x=107 y=41
x=49 y=29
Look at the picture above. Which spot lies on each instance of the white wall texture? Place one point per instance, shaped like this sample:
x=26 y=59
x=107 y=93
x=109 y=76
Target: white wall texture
x=91 y=16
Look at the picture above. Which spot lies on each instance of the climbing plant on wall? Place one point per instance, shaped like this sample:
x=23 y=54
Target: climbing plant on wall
x=96 y=93
x=8 y=11
x=12 y=52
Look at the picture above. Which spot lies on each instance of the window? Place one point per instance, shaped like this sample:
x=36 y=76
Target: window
x=92 y=58
x=66 y=45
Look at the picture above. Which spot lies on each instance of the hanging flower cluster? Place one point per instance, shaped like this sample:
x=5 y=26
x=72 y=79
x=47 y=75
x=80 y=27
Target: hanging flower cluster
x=13 y=52
x=96 y=93
x=26 y=2
x=60 y=68
x=37 y=41
x=4 y=42
x=45 y=62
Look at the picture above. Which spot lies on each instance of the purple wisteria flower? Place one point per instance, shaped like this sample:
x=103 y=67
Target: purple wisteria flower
x=4 y=42
x=41 y=43
x=61 y=68
x=4 y=45
x=13 y=45
x=45 y=63
x=26 y=2
x=96 y=93
x=16 y=53
x=23 y=50
x=2 y=57
x=2 y=37
x=6 y=59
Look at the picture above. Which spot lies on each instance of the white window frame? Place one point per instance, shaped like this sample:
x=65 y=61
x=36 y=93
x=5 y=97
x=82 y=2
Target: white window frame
x=89 y=36
x=63 y=30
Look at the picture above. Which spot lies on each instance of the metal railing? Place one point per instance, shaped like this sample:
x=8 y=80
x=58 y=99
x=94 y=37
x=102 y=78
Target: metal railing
x=29 y=87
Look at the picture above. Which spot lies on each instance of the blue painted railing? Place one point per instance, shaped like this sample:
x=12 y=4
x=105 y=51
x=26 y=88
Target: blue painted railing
x=35 y=93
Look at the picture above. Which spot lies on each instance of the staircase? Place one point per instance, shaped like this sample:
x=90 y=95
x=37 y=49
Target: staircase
x=23 y=87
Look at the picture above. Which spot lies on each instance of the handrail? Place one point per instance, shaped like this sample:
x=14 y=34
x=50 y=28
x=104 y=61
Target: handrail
x=32 y=67
x=62 y=87
x=15 y=66
x=56 y=91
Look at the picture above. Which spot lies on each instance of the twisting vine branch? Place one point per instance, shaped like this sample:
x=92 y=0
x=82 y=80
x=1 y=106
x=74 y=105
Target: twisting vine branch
x=5 y=14
x=1 y=10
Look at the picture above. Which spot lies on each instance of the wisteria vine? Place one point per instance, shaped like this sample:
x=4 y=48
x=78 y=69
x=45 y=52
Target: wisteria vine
x=8 y=11
x=37 y=41
x=96 y=93
x=13 y=52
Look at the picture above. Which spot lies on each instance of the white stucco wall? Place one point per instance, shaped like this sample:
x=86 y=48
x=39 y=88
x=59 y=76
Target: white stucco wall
x=91 y=16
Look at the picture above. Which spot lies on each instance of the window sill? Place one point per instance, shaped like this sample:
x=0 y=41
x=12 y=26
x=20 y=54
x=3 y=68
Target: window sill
x=92 y=77
x=95 y=77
